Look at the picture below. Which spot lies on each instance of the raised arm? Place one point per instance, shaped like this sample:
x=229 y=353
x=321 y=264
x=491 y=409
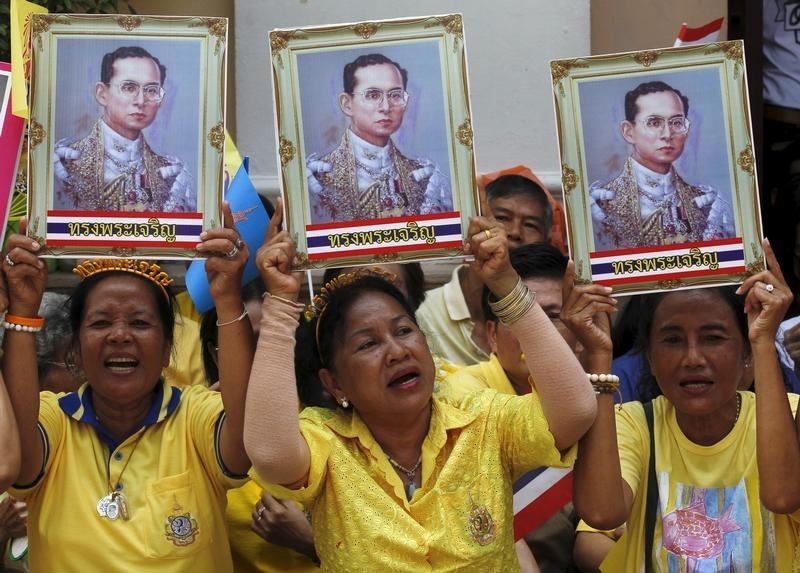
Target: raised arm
x=26 y=275
x=9 y=435
x=566 y=396
x=600 y=495
x=236 y=339
x=272 y=430
x=777 y=444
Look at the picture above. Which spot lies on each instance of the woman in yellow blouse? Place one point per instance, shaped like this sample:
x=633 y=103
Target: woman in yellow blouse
x=395 y=477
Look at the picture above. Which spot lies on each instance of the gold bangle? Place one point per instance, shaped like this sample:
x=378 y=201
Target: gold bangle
x=515 y=304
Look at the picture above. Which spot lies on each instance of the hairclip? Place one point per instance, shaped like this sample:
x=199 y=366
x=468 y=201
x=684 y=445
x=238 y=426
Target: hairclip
x=319 y=302
x=145 y=269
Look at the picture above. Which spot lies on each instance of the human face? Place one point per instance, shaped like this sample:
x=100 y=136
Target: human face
x=383 y=365
x=523 y=218
x=370 y=123
x=656 y=151
x=696 y=352
x=504 y=344
x=129 y=117
x=121 y=341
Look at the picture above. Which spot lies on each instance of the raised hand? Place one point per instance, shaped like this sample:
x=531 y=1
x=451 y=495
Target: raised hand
x=586 y=311
x=226 y=259
x=26 y=274
x=767 y=297
x=276 y=258
x=488 y=243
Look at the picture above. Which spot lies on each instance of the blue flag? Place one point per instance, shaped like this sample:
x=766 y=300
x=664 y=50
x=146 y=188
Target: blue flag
x=251 y=220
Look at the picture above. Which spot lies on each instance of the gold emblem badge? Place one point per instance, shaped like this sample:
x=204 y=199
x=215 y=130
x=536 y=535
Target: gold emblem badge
x=481 y=525
x=181 y=527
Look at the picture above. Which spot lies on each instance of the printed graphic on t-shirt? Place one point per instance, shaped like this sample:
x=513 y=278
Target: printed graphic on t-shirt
x=710 y=530
x=789 y=14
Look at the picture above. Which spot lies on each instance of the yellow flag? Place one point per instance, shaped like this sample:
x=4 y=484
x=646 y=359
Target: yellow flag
x=20 y=57
x=232 y=158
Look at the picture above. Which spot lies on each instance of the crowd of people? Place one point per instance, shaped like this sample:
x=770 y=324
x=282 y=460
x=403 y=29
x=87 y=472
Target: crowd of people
x=375 y=447
x=382 y=427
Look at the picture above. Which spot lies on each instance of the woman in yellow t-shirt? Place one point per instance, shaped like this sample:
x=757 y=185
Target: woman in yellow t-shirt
x=397 y=478
x=698 y=508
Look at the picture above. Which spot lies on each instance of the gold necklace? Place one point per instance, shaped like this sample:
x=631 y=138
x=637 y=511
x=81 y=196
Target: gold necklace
x=115 y=504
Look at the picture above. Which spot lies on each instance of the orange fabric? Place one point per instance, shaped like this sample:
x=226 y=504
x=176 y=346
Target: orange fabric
x=558 y=232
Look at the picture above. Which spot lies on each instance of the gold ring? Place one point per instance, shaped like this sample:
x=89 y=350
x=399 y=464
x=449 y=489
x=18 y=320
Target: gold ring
x=488 y=233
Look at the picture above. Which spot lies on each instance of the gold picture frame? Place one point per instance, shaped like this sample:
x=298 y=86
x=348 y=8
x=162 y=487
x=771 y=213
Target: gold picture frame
x=666 y=201
x=126 y=133
x=417 y=203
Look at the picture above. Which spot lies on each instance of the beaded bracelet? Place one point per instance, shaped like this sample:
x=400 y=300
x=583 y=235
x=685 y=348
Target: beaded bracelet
x=605 y=384
x=514 y=305
x=602 y=378
x=237 y=319
x=23 y=323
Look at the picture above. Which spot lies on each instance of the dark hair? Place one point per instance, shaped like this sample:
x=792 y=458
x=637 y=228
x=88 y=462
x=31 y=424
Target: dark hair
x=631 y=108
x=209 y=333
x=165 y=305
x=54 y=338
x=625 y=329
x=311 y=355
x=107 y=66
x=349 y=74
x=648 y=386
x=534 y=261
x=413 y=277
x=510 y=185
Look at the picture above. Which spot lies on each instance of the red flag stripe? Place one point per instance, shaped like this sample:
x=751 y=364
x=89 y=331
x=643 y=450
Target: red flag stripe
x=688 y=34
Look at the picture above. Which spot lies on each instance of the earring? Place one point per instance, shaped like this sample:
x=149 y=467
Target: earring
x=344 y=403
x=747 y=363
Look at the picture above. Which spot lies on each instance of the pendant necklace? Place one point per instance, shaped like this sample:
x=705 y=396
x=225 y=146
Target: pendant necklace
x=114 y=504
x=411 y=487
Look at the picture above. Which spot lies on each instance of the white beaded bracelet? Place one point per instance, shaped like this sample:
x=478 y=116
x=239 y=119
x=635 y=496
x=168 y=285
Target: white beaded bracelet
x=20 y=327
x=611 y=378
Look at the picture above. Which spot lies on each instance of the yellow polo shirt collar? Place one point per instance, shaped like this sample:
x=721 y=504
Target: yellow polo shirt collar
x=78 y=405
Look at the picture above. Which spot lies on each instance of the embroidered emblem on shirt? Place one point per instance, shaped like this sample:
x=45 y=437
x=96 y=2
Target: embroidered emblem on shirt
x=181 y=527
x=481 y=525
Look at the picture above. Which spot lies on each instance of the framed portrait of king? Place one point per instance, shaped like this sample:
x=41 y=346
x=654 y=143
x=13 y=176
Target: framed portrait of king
x=658 y=167
x=126 y=133
x=374 y=138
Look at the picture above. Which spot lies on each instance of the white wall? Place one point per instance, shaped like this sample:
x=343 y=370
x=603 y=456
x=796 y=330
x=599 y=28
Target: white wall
x=509 y=44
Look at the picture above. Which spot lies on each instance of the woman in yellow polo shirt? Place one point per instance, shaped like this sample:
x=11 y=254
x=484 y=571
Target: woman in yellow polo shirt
x=128 y=473
x=398 y=479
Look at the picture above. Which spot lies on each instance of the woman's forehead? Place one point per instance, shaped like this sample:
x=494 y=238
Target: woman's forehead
x=697 y=305
x=121 y=288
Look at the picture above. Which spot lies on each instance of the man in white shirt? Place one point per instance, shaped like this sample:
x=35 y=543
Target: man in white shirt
x=366 y=176
x=649 y=204
x=113 y=168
